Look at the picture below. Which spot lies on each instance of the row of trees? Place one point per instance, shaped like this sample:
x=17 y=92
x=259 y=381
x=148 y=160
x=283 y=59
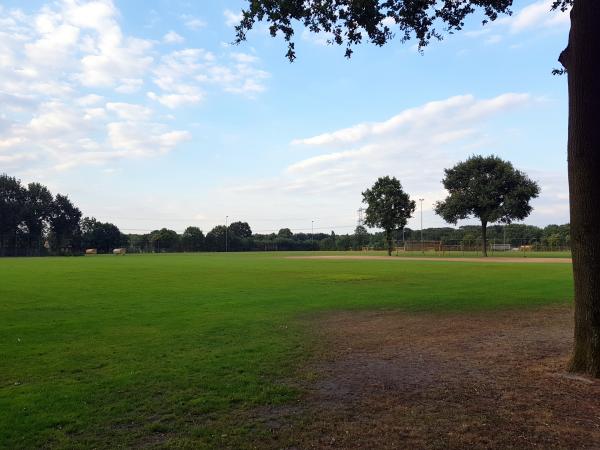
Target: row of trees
x=193 y=238
x=487 y=188
x=34 y=222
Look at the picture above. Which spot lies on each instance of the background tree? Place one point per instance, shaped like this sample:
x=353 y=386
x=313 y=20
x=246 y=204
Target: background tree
x=389 y=207
x=487 y=188
x=12 y=200
x=361 y=237
x=285 y=233
x=192 y=239
x=103 y=236
x=164 y=240
x=240 y=229
x=64 y=225
x=215 y=239
x=36 y=215
x=350 y=22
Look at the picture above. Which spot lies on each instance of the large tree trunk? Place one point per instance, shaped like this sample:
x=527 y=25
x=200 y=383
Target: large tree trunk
x=388 y=238
x=582 y=61
x=484 y=236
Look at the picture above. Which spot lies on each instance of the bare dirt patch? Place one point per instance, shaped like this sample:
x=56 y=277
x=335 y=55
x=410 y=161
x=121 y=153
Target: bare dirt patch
x=480 y=380
x=490 y=259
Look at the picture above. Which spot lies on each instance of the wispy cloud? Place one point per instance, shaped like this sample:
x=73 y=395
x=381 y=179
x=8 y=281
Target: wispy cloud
x=415 y=145
x=70 y=80
x=173 y=38
x=232 y=18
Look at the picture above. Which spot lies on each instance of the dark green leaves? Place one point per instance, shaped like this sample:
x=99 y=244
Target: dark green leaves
x=487 y=188
x=349 y=22
x=389 y=207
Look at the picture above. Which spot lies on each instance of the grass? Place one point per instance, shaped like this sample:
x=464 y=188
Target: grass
x=174 y=350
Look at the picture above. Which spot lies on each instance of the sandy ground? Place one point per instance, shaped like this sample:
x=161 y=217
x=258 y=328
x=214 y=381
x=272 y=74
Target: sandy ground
x=490 y=259
x=389 y=380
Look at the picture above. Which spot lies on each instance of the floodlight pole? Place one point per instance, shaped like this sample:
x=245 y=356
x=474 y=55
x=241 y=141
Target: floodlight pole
x=422 y=246
x=226 y=237
x=312 y=232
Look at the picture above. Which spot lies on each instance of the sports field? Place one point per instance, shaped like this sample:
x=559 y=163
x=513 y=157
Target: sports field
x=188 y=350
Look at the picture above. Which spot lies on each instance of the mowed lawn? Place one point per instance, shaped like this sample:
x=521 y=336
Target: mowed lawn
x=177 y=350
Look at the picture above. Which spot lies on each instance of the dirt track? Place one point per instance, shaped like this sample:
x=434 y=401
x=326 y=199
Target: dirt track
x=390 y=380
x=489 y=259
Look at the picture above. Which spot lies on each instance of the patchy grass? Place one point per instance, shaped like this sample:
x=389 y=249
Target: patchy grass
x=171 y=350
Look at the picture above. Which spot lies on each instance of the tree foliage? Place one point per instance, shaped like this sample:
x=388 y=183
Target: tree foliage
x=240 y=229
x=164 y=240
x=102 y=236
x=488 y=188
x=388 y=207
x=192 y=239
x=64 y=224
x=37 y=211
x=350 y=22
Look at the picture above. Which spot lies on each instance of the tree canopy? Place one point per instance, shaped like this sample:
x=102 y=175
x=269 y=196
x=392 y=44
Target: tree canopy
x=240 y=229
x=350 y=22
x=389 y=207
x=488 y=188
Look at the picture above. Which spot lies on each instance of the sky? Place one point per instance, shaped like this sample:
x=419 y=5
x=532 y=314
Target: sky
x=146 y=115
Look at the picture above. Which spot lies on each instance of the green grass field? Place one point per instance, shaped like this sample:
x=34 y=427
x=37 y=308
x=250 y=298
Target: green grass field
x=111 y=351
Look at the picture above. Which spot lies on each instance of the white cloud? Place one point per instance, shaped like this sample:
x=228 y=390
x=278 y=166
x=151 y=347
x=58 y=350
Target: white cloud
x=414 y=145
x=57 y=60
x=173 y=38
x=129 y=85
x=52 y=122
x=185 y=75
x=137 y=139
x=129 y=111
x=193 y=23
x=173 y=101
x=232 y=18
x=453 y=111
x=537 y=15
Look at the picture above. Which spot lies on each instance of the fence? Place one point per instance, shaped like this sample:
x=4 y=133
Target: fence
x=523 y=245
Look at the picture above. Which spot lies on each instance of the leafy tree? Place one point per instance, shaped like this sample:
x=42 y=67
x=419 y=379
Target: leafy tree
x=389 y=207
x=361 y=237
x=285 y=233
x=215 y=239
x=192 y=239
x=37 y=211
x=240 y=229
x=487 y=188
x=103 y=236
x=350 y=22
x=12 y=198
x=64 y=224
x=164 y=240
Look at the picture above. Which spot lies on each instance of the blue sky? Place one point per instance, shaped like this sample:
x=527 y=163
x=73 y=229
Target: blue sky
x=147 y=117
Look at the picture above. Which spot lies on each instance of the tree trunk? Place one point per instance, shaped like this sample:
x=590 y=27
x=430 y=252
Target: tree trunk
x=388 y=237
x=581 y=58
x=484 y=236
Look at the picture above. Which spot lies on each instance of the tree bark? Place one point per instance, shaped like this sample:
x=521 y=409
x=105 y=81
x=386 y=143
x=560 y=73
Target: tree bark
x=581 y=58
x=484 y=236
x=388 y=237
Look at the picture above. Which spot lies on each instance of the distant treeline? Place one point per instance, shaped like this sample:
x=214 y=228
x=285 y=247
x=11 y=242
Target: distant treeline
x=240 y=238
x=34 y=222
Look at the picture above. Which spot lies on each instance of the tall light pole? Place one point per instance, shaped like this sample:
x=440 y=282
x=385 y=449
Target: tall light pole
x=422 y=247
x=226 y=237
x=312 y=232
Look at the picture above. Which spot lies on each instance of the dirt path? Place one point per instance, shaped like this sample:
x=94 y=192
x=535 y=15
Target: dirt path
x=489 y=259
x=391 y=380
